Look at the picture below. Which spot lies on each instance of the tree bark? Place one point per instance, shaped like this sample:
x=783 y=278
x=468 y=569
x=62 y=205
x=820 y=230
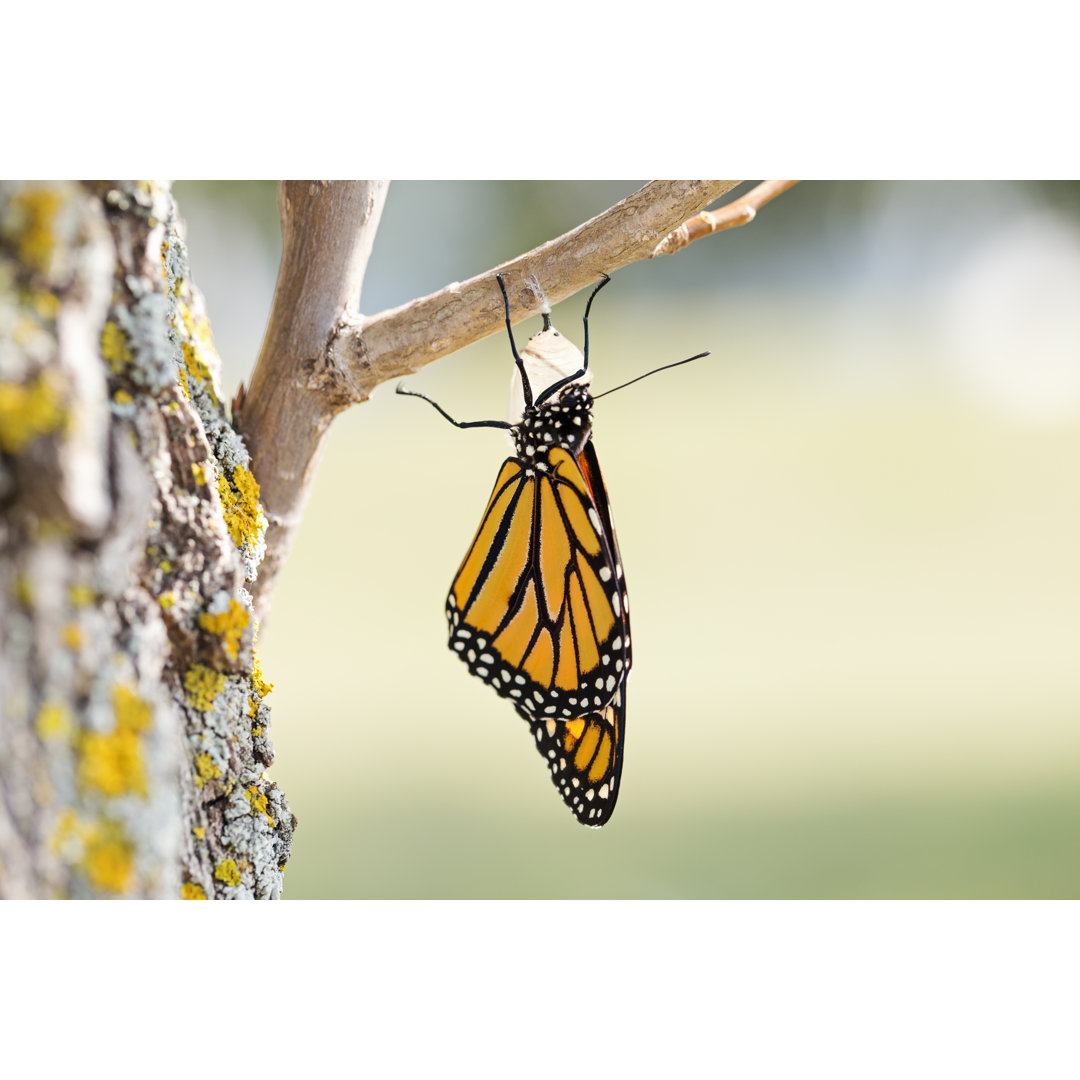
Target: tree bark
x=130 y=530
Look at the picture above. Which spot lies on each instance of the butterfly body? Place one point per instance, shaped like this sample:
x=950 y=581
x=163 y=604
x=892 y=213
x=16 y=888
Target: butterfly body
x=538 y=608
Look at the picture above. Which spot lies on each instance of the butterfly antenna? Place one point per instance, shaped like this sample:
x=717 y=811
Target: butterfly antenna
x=622 y=386
x=526 y=388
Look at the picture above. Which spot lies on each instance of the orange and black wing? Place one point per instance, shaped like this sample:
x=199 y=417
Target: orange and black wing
x=584 y=757
x=537 y=608
x=589 y=465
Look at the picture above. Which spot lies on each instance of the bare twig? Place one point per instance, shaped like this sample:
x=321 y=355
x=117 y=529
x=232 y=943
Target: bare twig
x=740 y=212
x=320 y=355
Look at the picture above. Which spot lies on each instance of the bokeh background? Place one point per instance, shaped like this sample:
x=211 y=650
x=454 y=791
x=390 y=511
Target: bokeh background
x=851 y=534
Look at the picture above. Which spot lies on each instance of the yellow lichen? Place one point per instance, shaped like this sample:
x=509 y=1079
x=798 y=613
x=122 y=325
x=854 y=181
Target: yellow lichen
x=45 y=304
x=190 y=891
x=111 y=762
x=200 y=832
x=243 y=514
x=227 y=872
x=258 y=683
x=227 y=625
x=27 y=412
x=166 y=566
x=24 y=591
x=256 y=730
x=101 y=849
x=197 y=367
x=36 y=239
x=258 y=803
x=167 y=599
x=109 y=862
x=197 y=345
x=71 y=636
x=53 y=721
x=66 y=829
x=184 y=384
x=203 y=685
x=114 y=347
x=132 y=713
x=80 y=595
x=205 y=770
x=199 y=472
x=122 y=397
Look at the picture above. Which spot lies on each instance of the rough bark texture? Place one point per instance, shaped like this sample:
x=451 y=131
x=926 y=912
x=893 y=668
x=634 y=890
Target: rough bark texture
x=130 y=529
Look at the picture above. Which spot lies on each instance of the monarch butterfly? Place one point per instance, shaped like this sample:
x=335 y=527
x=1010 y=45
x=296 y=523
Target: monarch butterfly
x=538 y=608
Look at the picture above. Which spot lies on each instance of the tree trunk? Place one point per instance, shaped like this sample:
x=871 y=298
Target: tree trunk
x=130 y=530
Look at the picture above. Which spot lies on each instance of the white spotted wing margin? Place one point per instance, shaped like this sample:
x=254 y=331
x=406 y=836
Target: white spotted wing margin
x=590 y=470
x=584 y=757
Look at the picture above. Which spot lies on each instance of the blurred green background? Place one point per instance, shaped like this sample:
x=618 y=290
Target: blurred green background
x=851 y=536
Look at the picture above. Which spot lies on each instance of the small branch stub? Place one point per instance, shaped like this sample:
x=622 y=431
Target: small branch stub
x=740 y=212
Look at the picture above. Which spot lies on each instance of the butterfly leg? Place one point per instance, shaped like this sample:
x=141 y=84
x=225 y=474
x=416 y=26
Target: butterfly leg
x=457 y=423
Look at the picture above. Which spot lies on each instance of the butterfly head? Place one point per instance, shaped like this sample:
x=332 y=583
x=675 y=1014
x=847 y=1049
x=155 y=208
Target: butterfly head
x=564 y=420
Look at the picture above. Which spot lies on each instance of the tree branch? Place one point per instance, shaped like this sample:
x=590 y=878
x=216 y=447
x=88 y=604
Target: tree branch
x=740 y=212
x=327 y=230
x=400 y=341
x=320 y=355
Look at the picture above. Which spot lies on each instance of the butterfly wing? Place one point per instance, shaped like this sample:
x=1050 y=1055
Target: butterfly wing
x=536 y=608
x=584 y=757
